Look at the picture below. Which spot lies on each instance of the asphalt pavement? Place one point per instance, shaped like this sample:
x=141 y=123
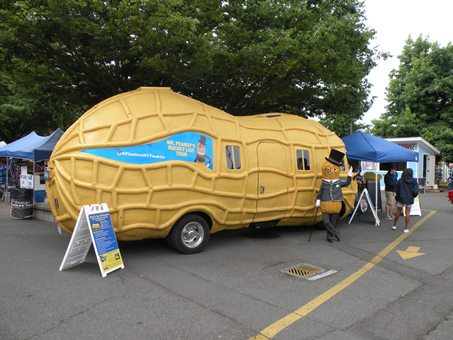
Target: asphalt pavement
x=385 y=284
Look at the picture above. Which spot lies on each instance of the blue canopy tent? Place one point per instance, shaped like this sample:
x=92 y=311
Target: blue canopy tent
x=361 y=146
x=32 y=147
x=45 y=150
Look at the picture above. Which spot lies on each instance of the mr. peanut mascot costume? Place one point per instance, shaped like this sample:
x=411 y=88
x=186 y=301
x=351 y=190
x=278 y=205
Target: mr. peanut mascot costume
x=330 y=196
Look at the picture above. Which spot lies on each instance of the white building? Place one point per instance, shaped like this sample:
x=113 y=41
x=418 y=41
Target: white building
x=425 y=168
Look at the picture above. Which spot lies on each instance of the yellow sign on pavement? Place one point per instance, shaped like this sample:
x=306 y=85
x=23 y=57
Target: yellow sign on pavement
x=410 y=253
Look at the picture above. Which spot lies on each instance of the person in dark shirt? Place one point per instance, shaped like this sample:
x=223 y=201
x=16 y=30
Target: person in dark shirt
x=390 y=188
x=406 y=190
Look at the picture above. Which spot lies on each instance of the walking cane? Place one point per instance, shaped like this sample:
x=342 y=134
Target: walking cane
x=314 y=219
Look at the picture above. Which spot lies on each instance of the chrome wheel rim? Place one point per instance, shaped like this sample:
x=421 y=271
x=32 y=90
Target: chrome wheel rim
x=192 y=234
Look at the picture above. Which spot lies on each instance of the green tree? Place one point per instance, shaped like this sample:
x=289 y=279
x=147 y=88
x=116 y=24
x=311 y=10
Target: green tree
x=420 y=95
x=59 y=58
x=343 y=124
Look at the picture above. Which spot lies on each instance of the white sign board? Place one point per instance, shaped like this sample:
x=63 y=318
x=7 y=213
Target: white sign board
x=23 y=170
x=365 y=192
x=369 y=165
x=94 y=226
x=415 y=208
x=26 y=181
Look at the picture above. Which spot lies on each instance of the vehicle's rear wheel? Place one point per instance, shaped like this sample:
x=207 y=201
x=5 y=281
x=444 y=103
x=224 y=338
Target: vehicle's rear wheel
x=190 y=234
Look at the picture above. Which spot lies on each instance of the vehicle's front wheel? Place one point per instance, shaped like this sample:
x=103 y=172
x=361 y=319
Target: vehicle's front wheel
x=190 y=234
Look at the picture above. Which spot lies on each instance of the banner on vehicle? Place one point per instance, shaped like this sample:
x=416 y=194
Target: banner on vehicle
x=185 y=146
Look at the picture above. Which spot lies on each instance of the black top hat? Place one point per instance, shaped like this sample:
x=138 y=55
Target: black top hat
x=202 y=140
x=335 y=157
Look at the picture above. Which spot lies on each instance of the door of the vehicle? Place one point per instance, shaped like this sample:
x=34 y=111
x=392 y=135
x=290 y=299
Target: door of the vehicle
x=273 y=181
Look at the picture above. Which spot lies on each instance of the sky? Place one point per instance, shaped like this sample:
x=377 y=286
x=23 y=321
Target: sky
x=394 y=21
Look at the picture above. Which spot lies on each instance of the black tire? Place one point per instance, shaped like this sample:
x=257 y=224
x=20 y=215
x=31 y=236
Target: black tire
x=169 y=242
x=190 y=234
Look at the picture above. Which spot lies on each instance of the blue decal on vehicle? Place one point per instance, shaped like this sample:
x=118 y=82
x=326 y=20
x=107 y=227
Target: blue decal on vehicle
x=184 y=146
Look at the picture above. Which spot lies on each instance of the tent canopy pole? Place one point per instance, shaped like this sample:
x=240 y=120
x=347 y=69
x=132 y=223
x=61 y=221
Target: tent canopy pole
x=7 y=181
x=376 y=187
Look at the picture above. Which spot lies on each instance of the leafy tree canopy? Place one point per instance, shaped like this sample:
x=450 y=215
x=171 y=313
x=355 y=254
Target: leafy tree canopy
x=420 y=95
x=58 y=58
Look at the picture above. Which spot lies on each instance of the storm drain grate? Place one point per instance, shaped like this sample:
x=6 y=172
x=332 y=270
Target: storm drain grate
x=302 y=270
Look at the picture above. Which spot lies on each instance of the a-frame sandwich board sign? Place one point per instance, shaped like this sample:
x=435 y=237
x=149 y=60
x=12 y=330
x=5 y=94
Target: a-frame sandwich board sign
x=365 y=192
x=94 y=226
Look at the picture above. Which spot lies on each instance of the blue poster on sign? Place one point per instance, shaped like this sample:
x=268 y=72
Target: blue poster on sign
x=104 y=236
x=104 y=239
x=185 y=146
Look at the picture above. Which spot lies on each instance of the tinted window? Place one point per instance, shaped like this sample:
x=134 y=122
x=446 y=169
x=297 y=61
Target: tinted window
x=303 y=159
x=233 y=157
x=306 y=160
x=237 y=157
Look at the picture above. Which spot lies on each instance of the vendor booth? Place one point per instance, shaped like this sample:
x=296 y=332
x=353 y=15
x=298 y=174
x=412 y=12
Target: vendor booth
x=364 y=147
x=29 y=153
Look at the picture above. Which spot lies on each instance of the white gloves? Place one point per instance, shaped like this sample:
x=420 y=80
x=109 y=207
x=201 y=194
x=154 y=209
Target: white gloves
x=318 y=203
x=350 y=172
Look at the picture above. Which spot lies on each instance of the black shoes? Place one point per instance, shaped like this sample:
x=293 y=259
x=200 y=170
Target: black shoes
x=330 y=239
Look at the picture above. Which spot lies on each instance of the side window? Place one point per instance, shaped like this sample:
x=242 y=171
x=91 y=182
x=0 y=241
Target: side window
x=303 y=159
x=306 y=160
x=237 y=157
x=229 y=156
x=233 y=156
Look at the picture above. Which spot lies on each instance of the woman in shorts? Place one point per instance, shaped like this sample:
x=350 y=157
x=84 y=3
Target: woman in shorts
x=406 y=190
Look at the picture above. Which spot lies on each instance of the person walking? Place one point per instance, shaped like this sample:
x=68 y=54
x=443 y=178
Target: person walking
x=406 y=190
x=390 y=189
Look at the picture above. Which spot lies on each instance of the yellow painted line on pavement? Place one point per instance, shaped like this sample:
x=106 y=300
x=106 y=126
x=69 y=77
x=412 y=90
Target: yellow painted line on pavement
x=270 y=331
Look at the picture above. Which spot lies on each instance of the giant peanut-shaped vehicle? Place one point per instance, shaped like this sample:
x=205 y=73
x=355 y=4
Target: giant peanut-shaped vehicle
x=172 y=167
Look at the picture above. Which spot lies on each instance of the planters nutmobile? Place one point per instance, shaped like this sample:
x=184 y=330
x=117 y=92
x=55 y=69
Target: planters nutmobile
x=172 y=167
